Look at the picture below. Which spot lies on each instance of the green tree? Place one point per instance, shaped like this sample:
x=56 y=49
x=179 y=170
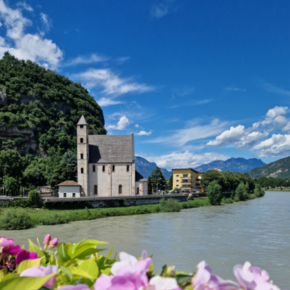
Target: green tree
x=34 y=174
x=214 y=193
x=259 y=192
x=71 y=161
x=12 y=186
x=60 y=174
x=157 y=177
x=210 y=176
x=149 y=185
x=240 y=191
x=170 y=183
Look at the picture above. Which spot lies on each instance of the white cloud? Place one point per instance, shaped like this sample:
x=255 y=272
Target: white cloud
x=276 y=90
x=111 y=83
x=24 y=6
x=193 y=131
x=234 y=89
x=122 y=124
x=93 y=58
x=228 y=136
x=159 y=10
x=143 y=133
x=192 y=103
x=250 y=139
x=23 y=45
x=186 y=159
x=45 y=20
x=104 y=102
x=136 y=126
x=122 y=59
x=277 y=145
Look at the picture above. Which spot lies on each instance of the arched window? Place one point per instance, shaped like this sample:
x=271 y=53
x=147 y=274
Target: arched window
x=120 y=189
x=95 y=189
x=82 y=126
x=128 y=168
x=74 y=195
x=64 y=195
x=82 y=170
x=82 y=140
x=82 y=156
x=137 y=190
x=94 y=168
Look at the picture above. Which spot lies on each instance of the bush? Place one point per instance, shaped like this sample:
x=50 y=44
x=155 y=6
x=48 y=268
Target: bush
x=170 y=205
x=34 y=197
x=227 y=200
x=15 y=219
x=240 y=191
x=214 y=193
x=259 y=192
x=54 y=219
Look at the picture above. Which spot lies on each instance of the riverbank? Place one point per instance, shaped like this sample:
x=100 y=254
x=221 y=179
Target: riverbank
x=286 y=190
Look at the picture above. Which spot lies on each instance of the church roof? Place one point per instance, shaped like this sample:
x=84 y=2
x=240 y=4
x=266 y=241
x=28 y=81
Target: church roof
x=82 y=121
x=111 y=148
x=69 y=183
x=138 y=176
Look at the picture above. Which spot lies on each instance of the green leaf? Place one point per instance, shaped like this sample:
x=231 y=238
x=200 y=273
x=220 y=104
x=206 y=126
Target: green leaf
x=110 y=253
x=26 y=264
x=35 y=249
x=182 y=278
x=3 y=273
x=81 y=247
x=24 y=283
x=67 y=273
x=90 y=267
x=62 y=250
x=80 y=273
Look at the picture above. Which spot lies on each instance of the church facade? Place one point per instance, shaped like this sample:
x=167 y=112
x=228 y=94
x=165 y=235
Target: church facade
x=106 y=164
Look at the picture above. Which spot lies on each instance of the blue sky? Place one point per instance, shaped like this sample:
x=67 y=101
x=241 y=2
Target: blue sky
x=196 y=80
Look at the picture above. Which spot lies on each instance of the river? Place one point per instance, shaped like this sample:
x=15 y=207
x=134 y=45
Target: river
x=223 y=236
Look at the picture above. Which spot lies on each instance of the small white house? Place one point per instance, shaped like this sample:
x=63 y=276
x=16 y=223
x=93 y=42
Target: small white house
x=69 y=189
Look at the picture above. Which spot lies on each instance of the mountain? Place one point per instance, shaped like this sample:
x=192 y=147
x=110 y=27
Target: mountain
x=39 y=109
x=279 y=168
x=144 y=167
x=233 y=164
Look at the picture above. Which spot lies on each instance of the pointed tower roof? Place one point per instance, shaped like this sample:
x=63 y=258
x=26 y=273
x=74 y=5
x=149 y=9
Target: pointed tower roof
x=82 y=121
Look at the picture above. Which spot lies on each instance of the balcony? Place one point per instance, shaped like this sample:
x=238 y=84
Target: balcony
x=186 y=182
x=185 y=177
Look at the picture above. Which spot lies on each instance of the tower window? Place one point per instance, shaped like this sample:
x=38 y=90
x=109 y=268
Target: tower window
x=95 y=189
x=64 y=195
x=120 y=189
x=82 y=156
x=82 y=170
x=74 y=195
x=82 y=126
x=82 y=140
x=94 y=168
x=128 y=168
x=104 y=168
x=137 y=190
x=113 y=168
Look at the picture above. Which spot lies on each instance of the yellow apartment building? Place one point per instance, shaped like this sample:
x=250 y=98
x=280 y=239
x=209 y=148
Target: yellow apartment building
x=186 y=179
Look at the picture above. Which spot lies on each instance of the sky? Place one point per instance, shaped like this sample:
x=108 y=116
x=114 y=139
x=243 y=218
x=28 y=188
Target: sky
x=196 y=80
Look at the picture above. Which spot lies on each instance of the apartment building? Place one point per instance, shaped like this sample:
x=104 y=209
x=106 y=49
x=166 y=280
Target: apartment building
x=186 y=179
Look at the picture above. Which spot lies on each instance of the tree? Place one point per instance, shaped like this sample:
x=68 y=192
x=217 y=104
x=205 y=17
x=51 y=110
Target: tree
x=60 y=174
x=149 y=183
x=240 y=191
x=12 y=186
x=157 y=177
x=169 y=184
x=258 y=190
x=214 y=193
x=71 y=161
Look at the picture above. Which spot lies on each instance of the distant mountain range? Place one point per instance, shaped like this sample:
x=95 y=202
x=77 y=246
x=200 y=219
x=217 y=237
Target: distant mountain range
x=233 y=164
x=279 y=168
x=144 y=167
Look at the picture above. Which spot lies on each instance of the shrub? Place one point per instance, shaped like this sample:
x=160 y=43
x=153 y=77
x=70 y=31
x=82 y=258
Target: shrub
x=54 y=219
x=34 y=197
x=15 y=219
x=170 y=205
x=227 y=200
x=240 y=191
x=259 y=192
x=214 y=193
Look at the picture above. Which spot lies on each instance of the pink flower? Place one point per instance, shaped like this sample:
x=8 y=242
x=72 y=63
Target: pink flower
x=105 y=282
x=7 y=247
x=205 y=280
x=25 y=255
x=53 y=243
x=40 y=272
x=163 y=283
x=47 y=239
x=253 y=278
x=75 y=287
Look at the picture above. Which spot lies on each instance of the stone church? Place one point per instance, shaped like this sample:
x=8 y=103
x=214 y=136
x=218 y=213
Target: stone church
x=106 y=164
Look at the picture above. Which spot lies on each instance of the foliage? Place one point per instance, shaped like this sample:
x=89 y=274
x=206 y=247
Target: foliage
x=34 y=197
x=169 y=205
x=170 y=183
x=149 y=185
x=54 y=219
x=15 y=219
x=176 y=190
x=214 y=193
x=70 y=160
x=272 y=182
x=157 y=177
x=241 y=192
x=12 y=186
x=259 y=192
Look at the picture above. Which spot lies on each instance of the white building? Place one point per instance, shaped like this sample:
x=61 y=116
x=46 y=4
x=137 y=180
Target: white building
x=106 y=164
x=69 y=189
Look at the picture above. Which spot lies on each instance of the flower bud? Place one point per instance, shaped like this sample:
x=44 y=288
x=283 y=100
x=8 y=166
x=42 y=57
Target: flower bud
x=47 y=239
x=53 y=243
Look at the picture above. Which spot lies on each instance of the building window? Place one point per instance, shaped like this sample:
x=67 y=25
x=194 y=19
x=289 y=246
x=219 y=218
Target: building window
x=120 y=189
x=137 y=190
x=177 y=180
x=94 y=168
x=82 y=170
x=74 y=195
x=64 y=195
x=113 y=168
x=82 y=126
x=177 y=185
x=128 y=168
x=104 y=168
x=95 y=190
x=177 y=175
x=82 y=156
x=82 y=140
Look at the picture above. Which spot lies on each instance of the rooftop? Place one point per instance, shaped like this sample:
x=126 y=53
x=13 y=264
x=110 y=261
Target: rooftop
x=185 y=169
x=69 y=183
x=82 y=121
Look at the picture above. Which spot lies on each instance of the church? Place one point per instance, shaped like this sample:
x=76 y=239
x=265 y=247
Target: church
x=106 y=164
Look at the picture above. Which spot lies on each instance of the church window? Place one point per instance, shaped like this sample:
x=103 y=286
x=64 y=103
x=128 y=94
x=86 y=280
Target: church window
x=113 y=168
x=104 y=168
x=120 y=189
x=64 y=195
x=74 y=195
x=82 y=156
x=95 y=189
x=82 y=126
x=128 y=168
x=137 y=190
x=82 y=140
x=82 y=170
x=94 y=168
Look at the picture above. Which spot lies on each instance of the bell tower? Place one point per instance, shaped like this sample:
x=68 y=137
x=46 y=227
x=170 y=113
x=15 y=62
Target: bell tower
x=83 y=154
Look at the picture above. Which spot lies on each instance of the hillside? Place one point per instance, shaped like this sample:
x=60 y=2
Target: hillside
x=233 y=164
x=39 y=109
x=144 y=167
x=279 y=168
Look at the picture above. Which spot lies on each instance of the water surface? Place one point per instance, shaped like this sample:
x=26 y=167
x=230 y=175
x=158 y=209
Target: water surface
x=255 y=231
